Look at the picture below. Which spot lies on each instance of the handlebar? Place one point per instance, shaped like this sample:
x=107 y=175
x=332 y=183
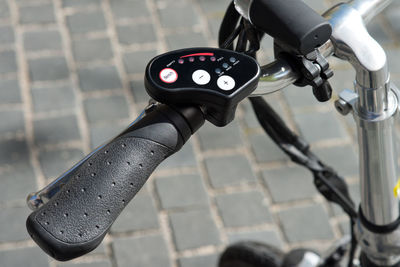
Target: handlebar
x=77 y=218
x=279 y=74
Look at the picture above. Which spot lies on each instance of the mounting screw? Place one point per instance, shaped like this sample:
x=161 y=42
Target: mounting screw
x=342 y=107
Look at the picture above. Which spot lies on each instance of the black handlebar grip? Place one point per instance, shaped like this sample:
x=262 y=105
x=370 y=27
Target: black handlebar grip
x=292 y=22
x=77 y=218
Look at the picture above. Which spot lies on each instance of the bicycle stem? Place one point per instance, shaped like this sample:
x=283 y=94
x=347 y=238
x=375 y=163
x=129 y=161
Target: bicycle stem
x=374 y=104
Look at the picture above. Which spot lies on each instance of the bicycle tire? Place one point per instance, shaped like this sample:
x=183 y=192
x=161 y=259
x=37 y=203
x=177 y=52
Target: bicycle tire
x=251 y=254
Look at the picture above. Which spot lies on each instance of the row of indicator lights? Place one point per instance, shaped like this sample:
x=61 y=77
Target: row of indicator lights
x=201 y=58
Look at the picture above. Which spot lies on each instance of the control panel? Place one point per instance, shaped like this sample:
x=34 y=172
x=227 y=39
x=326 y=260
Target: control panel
x=215 y=79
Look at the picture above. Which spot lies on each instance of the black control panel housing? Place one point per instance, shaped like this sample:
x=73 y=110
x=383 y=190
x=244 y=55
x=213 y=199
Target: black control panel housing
x=214 y=79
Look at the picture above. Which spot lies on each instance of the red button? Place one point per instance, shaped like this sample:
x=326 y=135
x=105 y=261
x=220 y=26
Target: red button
x=168 y=75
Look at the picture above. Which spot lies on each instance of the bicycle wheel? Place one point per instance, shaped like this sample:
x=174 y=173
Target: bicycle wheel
x=251 y=254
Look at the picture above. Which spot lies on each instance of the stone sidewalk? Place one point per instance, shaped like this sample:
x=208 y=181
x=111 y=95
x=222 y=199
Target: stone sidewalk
x=72 y=77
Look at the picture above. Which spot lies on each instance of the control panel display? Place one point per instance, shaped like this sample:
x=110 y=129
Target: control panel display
x=209 y=77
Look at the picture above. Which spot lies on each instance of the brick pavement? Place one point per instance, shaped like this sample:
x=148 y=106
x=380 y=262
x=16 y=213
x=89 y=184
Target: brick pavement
x=71 y=77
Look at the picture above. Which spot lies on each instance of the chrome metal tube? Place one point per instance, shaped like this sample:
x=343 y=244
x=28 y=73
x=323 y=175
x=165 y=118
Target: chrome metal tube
x=378 y=164
x=368 y=9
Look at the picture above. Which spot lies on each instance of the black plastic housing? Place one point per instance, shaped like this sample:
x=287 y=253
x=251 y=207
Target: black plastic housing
x=218 y=105
x=77 y=218
x=292 y=22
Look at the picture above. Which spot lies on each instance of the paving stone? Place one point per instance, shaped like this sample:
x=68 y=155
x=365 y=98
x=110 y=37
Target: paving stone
x=109 y=108
x=56 y=162
x=48 y=69
x=140 y=214
x=92 y=49
x=141 y=251
x=8 y=62
x=14 y=219
x=250 y=118
x=6 y=35
x=181 y=191
x=243 y=209
x=213 y=7
x=320 y=126
x=265 y=150
x=99 y=78
x=11 y=122
x=56 y=130
x=4 y=10
x=393 y=17
x=136 y=34
x=318 y=5
x=129 y=9
x=199 y=261
x=342 y=158
x=188 y=17
x=55 y=98
x=193 y=229
x=377 y=31
x=104 y=132
x=27 y=257
x=37 y=14
x=79 y=3
x=213 y=137
x=392 y=56
x=289 y=184
x=136 y=62
x=266 y=237
x=139 y=92
x=16 y=183
x=299 y=97
x=10 y=92
x=231 y=170
x=14 y=152
x=86 y=22
x=345 y=227
x=183 y=158
x=343 y=79
x=42 y=40
x=306 y=223
x=104 y=263
x=184 y=40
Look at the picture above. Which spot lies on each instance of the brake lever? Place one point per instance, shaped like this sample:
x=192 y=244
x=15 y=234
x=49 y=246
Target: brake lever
x=37 y=199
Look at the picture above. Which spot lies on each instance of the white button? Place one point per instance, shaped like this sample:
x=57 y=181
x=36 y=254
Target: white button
x=226 y=83
x=168 y=75
x=201 y=77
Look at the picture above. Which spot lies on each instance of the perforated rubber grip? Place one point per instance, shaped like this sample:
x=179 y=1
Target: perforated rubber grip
x=76 y=219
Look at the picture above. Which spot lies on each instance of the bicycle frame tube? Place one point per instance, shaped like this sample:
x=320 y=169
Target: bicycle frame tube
x=374 y=104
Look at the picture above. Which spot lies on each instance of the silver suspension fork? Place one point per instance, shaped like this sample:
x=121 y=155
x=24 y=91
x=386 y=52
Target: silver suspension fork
x=374 y=104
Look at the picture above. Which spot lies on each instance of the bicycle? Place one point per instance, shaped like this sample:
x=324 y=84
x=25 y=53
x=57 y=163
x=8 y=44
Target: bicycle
x=301 y=52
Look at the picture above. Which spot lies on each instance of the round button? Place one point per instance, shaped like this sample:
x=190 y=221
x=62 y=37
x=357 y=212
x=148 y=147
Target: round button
x=225 y=65
x=226 y=83
x=232 y=59
x=168 y=75
x=202 y=58
x=201 y=77
x=191 y=59
x=213 y=59
x=218 y=71
x=181 y=61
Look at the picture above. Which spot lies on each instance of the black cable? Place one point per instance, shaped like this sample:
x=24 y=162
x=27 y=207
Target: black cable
x=229 y=41
x=353 y=245
x=228 y=25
